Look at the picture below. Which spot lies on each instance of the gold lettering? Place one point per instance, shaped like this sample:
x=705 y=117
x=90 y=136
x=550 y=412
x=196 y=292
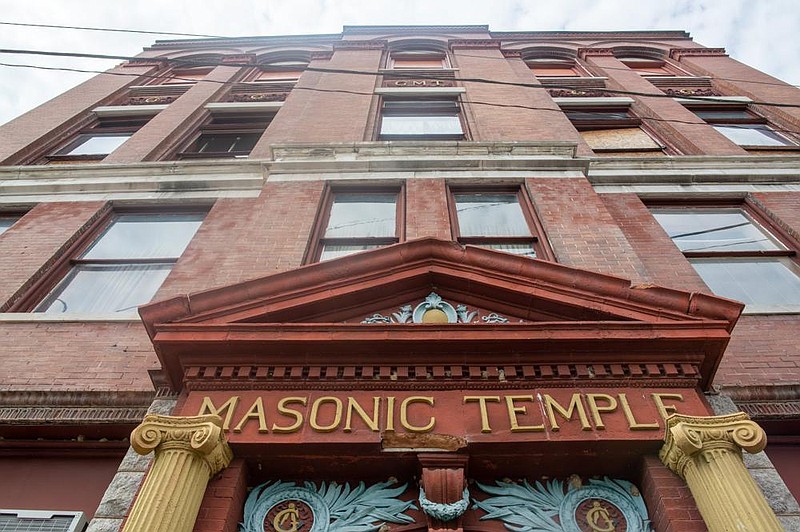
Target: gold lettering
x=436 y=83
x=256 y=411
x=372 y=422
x=575 y=403
x=337 y=418
x=228 y=407
x=632 y=423
x=296 y=414
x=418 y=83
x=404 y=414
x=592 y=399
x=513 y=410
x=666 y=410
x=390 y=413
x=400 y=83
x=481 y=400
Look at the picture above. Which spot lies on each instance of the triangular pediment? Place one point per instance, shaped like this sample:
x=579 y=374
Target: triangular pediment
x=324 y=309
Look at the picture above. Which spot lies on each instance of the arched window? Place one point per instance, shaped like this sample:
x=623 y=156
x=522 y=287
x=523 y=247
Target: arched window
x=280 y=71
x=417 y=59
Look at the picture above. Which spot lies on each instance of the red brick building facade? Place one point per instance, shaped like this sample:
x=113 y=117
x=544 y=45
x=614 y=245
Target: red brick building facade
x=452 y=257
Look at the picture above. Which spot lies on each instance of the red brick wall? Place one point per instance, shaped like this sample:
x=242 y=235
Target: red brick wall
x=180 y=119
x=669 y=502
x=322 y=114
x=515 y=113
x=243 y=239
x=34 y=241
x=426 y=209
x=663 y=261
x=735 y=78
x=223 y=503
x=580 y=229
x=46 y=122
x=76 y=356
x=673 y=123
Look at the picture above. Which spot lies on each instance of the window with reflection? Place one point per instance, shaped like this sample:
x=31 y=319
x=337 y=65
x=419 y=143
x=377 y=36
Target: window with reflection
x=421 y=118
x=736 y=256
x=499 y=219
x=98 y=140
x=741 y=125
x=553 y=68
x=227 y=135
x=280 y=72
x=357 y=221
x=125 y=265
x=417 y=60
x=181 y=76
x=649 y=67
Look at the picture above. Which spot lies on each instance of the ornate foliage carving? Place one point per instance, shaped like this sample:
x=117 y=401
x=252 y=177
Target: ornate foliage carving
x=330 y=507
x=434 y=302
x=150 y=100
x=568 y=93
x=444 y=511
x=559 y=506
x=690 y=92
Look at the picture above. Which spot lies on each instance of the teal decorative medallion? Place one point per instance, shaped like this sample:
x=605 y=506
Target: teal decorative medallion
x=556 y=506
x=286 y=507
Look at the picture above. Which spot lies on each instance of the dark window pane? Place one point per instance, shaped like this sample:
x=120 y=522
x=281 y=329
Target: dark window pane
x=597 y=115
x=752 y=281
x=106 y=288
x=145 y=236
x=490 y=215
x=227 y=142
x=714 y=230
x=722 y=114
x=362 y=215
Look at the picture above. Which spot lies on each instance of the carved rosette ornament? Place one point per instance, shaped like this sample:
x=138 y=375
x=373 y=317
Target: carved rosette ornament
x=707 y=453
x=188 y=452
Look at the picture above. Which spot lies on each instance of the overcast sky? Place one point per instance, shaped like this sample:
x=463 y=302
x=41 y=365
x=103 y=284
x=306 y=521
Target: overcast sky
x=761 y=33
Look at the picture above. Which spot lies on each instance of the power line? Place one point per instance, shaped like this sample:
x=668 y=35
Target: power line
x=415 y=76
x=110 y=30
x=189 y=62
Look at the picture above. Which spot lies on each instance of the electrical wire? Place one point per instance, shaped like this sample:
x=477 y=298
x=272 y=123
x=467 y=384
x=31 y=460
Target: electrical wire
x=408 y=75
x=110 y=30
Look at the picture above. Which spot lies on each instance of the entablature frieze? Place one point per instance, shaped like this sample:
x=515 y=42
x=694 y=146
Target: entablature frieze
x=441 y=377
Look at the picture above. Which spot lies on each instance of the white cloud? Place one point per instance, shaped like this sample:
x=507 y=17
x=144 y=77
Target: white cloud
x=761 y=34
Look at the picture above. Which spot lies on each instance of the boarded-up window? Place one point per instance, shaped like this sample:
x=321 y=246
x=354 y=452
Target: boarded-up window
x=632 y=139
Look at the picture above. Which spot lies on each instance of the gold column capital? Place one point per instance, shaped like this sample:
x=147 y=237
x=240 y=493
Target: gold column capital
x=686 y=436
x=200 y=435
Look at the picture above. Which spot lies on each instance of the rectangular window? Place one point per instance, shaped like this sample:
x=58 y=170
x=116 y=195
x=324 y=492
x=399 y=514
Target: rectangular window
x=226 y=136
x=422 y=60
x=550 y=68
x=278 y=76
x=356 y=221
x=435 y=119
x=101 y=139
x=124 y=266
x=650 y=67
x=499 y=219
x=181 y=76
x=736 y=256
x=741 y=126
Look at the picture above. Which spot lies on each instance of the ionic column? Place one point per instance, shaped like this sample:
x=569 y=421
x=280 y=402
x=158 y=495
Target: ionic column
x=188 y=452
x=707 y=453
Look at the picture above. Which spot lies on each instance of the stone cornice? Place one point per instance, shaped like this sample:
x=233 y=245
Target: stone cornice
x=473 y=44
x=73 y=408
x=592 y=35
x=583 y=53
x=360 y=45
x=424 y=30
x=216 y=42
x=677 y=53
